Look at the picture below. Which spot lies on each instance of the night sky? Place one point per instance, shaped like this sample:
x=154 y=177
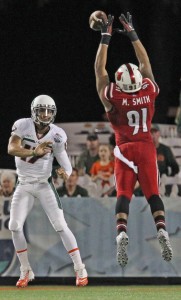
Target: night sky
x=47 y=47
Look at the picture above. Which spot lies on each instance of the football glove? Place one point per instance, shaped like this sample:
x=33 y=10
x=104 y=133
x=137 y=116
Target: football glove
x=106 y=30
x=128 y=27
x=106 y=27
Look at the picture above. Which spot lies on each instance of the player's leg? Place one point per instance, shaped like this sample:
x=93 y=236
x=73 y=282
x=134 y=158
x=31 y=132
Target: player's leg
x=125 y=181
x=21 y=205
x=149 y=181
x=51 y=203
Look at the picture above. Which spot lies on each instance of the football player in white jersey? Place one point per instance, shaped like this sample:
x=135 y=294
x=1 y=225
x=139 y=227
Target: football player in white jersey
x=35 y=142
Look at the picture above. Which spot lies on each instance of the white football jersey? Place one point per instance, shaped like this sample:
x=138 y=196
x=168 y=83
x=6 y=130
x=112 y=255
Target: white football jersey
x=40 y=166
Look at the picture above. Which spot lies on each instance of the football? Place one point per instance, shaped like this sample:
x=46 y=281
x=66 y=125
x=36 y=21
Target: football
x=93 y=22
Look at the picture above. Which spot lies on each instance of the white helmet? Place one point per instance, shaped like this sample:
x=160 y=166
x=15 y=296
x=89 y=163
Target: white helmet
x=129 y=78
x=43 y=101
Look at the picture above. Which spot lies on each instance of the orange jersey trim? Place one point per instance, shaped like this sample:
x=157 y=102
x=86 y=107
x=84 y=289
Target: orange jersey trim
x=20 y=251
x=75 y=249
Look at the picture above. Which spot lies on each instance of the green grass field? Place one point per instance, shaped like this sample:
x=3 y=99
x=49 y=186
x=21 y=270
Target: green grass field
x=91 y=293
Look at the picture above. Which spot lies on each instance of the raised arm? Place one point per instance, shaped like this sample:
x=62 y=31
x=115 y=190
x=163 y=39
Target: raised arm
x=144 y=62
x=102 y=78
x=140 y=51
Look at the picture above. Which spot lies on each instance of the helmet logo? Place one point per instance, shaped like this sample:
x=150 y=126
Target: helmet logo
x=119 y=74
x=49 y=106
x=128 y=78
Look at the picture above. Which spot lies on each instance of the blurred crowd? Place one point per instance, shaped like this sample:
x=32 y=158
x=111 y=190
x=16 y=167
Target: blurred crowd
x=94 y=169
x=93 y=172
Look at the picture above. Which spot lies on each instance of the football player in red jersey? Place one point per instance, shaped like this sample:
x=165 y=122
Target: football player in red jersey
x=129 y=103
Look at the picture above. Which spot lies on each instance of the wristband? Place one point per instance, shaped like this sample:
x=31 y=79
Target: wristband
x=105 y=39
x=133 y=36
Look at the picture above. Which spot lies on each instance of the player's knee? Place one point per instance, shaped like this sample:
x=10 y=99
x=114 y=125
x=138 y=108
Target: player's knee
x=59 y=225
x=122 y=205
x=14 y=225
x=155 y=203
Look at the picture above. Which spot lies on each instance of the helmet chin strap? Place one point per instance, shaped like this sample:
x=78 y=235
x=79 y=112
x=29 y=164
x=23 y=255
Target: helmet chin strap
x=42 y=125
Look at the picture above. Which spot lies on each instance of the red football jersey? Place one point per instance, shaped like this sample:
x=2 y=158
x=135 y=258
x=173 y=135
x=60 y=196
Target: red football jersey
x=132 y=113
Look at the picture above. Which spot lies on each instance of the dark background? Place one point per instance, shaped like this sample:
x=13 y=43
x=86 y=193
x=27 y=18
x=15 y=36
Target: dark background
x=47 y=47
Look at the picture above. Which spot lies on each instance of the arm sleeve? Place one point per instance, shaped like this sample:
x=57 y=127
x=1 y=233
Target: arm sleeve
x=59 y=150
x=64 y=161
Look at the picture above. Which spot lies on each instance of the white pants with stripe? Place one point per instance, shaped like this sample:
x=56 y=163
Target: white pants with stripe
x=23 y=201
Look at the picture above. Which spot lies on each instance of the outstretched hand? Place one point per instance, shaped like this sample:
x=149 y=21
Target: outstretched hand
x=106 y=26
x=128 y=28
x=127 y=23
